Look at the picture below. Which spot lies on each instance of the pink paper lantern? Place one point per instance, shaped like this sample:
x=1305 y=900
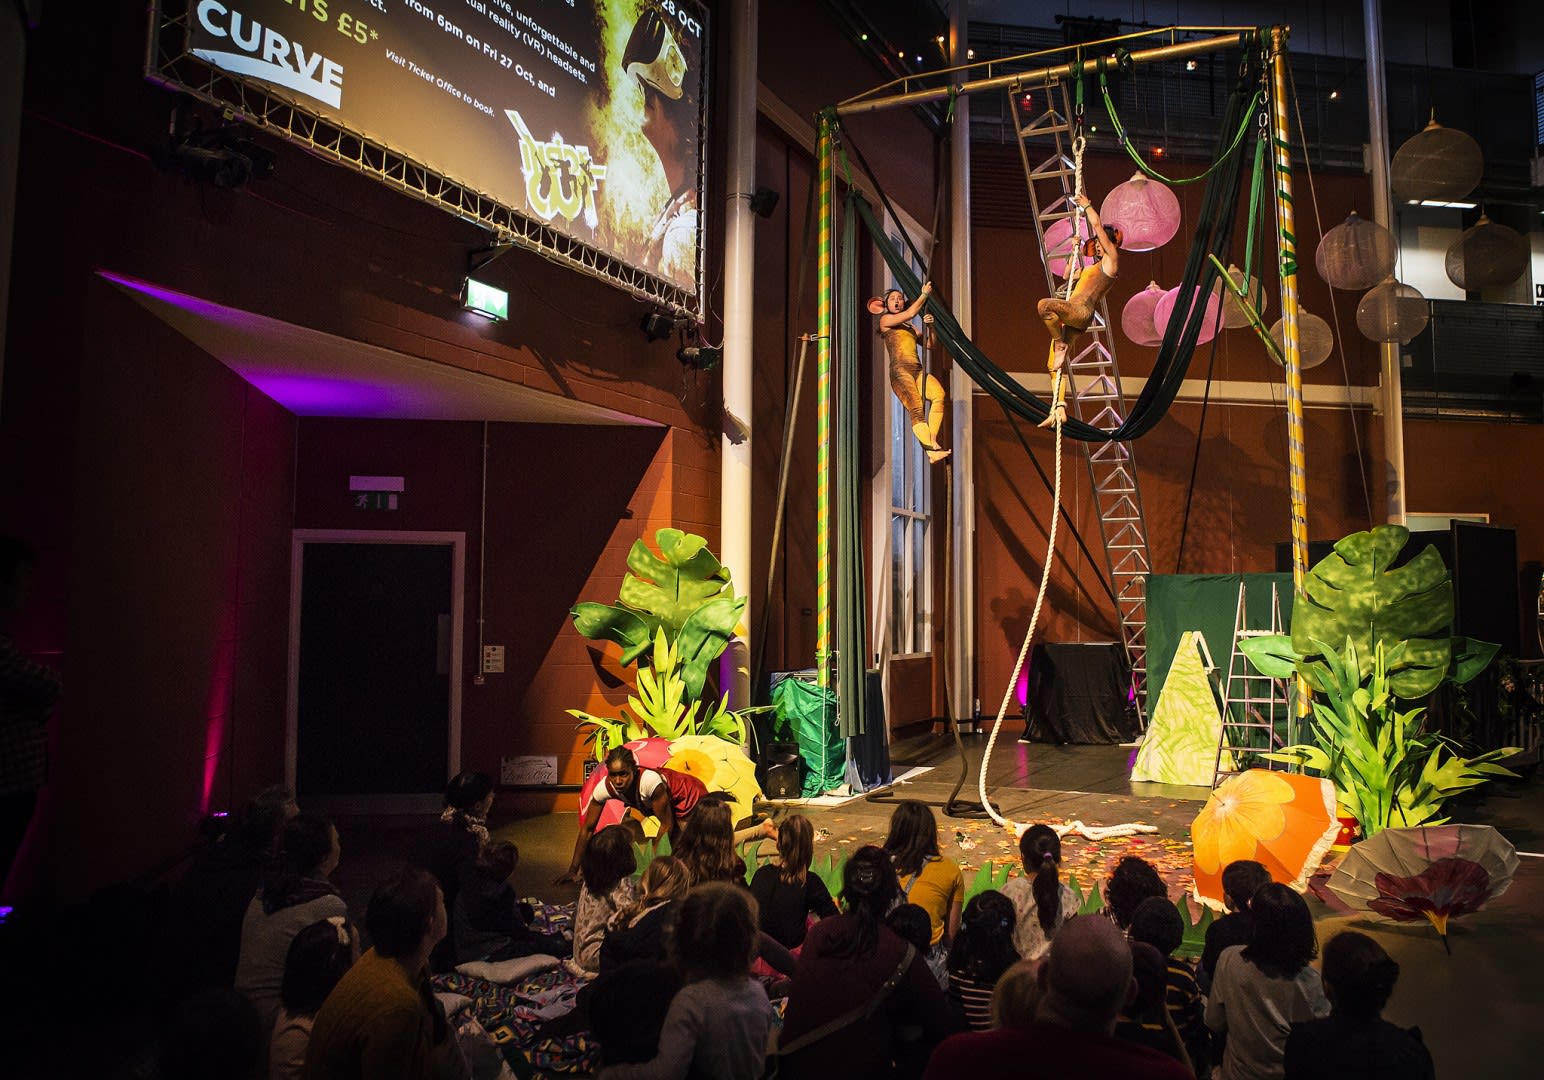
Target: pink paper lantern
x=1060 y=242
x=1145 y=210
x=1136 y=318
x=1209 y=323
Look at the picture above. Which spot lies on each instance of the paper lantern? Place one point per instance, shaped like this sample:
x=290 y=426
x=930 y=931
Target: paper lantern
x=1315 y=340
x=1145 y=210
x=1233 y=315
x=1060 y=242
x=1209 y=322
x=1438 y=163
x=1392 y=312
x=1136 y=318
x=1356 y=254
x=1487 y=255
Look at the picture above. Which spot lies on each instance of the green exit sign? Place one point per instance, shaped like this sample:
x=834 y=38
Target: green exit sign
x=485 y=300
x=374 y=500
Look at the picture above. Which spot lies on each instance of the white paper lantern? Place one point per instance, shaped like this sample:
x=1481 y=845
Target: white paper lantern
x=1233 y=316
x=1145 y=211
x=1315 y=340
x=1136 y=318
x=1209 y=322
x=1356 y=254
x=1438 y=163
x=1392 y=312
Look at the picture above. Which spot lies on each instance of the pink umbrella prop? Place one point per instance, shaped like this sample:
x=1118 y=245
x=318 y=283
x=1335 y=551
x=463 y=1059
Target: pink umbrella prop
x=651 y=753
x=1170 y=299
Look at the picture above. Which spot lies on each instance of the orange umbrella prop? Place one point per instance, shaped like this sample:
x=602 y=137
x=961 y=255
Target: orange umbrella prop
x=1283 y=821
x=1434 y=872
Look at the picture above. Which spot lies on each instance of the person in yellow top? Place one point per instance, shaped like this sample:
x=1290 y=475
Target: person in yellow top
x=927 y=879
x=921 y=394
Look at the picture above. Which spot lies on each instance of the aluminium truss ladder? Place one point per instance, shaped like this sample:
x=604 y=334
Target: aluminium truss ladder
x=1256 y=708
x=1093 y=380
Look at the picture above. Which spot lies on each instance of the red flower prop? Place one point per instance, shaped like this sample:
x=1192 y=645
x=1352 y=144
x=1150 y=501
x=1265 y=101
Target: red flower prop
x=1448 y=887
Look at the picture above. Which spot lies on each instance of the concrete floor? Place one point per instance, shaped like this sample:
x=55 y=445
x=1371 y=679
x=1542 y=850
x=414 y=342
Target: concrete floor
x=1478 y=1008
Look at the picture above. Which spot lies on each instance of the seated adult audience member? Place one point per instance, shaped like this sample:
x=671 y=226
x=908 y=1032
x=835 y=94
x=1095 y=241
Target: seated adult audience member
x=1355 y=1041
x=607 y=889
x=210 y=902
x=317 y=958
x=927 y=879
x=489 y=922
x=1241 y=879
x=1263 y=988
x=1143 y=1019
x=1132 y=881
x=1157 y=922
x=1085 y=979
x=857 y=984
x=982 y=951
x=453 y=844
x=668 y=796
x=214 y=1033
x=381 y=1020
x=1017 y=994
x=1041 y=903
x=296 y=892
x=786 y=893
x=718 y=1021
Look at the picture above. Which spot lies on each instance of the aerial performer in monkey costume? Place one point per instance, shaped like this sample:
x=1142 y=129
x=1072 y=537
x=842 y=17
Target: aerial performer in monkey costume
x=1065 y=318
x=912 y=386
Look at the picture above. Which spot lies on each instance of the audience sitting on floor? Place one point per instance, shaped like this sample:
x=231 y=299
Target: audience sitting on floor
x=212 y=1033
x=926 y=878
x=1261 y=989
x=1085 y=980
x=296 y=892
x=1041 y=902
x=382 y=1020
x=787 y=894
x=982 y=951
x=858 y=985
x=1158 y=923
x=912 y=925
x=1017 y=994
x=718 y=1021
x=1143 y=1018
x=317 y=958
x=607 y=888
x=706 y=844
x=489 y=922
x=1241 y=879
x=642 y=929
x=1354 y=1040
x=454 y=844
x=1132 y=881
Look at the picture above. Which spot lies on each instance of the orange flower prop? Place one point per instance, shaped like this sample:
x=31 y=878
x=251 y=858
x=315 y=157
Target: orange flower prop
x=1283 y=821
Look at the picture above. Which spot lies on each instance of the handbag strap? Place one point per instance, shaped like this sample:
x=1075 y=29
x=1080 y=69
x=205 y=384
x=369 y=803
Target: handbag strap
x=852 y=1016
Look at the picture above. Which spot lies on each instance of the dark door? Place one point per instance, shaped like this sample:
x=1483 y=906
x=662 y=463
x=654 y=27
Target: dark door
x=373 y=709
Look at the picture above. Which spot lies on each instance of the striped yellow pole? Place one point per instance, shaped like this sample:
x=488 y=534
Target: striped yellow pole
x=823 y=411
x=1286 y=244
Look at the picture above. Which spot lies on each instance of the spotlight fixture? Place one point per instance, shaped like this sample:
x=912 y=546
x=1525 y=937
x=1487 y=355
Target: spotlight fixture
x=1190 y=65
x=1334 y=95
x=657 y=326
x=763 y=201
x=700 y=357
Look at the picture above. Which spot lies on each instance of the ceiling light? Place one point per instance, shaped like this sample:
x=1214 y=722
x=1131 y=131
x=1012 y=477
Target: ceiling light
x=1190 y=65
x=1334 y=95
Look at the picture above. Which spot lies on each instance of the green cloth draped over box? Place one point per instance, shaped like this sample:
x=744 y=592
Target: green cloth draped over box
x=810 y=717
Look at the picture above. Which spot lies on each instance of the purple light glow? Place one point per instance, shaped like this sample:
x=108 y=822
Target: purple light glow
x=314 y=395
x=1021 y=691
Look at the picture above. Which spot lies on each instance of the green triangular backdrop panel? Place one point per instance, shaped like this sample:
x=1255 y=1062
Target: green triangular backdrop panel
x=1180 y=746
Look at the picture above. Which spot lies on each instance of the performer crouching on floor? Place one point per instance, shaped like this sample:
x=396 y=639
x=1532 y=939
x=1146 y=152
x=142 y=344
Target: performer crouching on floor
x=661 y=793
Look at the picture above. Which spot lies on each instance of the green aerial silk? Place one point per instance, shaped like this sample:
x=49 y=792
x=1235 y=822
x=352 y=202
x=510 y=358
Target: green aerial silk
x=1214 y=231
x=851 y=605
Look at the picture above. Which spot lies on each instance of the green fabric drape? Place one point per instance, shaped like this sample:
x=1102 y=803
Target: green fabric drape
x=851 y=596
x=1214 y=231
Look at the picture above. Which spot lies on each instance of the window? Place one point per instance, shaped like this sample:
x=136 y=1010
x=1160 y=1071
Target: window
x=911 y=580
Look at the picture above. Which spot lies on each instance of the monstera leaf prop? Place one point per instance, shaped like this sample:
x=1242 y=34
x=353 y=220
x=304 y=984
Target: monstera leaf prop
x=683 y=591
x=1355 y=593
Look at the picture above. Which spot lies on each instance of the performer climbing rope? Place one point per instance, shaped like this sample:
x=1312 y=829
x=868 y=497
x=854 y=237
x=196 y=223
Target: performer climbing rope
x=912 y=385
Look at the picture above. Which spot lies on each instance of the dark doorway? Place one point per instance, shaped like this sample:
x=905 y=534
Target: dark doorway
x=373 y=703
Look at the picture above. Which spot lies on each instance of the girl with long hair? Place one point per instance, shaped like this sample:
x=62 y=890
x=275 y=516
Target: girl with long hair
x=786 y=893
x=926 y=878
x=707 y=844
x=981 y=953
x=607 y=888
x=1041 y=902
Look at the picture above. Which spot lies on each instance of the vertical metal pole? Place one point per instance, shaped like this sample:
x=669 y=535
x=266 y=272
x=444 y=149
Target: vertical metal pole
x=961 y=573
x=823 y=411
x=1286 y=242
x=1382 y=213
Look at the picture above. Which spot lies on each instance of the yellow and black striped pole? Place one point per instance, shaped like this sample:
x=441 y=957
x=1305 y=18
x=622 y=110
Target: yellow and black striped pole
x=1286 y=242
x=823 y=411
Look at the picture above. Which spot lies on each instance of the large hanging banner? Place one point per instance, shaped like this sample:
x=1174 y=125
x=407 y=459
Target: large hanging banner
x=583 y=115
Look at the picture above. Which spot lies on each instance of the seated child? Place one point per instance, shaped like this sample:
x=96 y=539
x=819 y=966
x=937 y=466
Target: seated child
x=489 y=922
x=787 y=893
x=606 y=867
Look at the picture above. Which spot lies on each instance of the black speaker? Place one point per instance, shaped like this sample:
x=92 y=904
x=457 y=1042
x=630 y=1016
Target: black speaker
x=781 y=771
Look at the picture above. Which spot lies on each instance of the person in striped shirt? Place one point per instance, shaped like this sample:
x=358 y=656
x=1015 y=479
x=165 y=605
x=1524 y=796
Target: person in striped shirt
x=982 y=951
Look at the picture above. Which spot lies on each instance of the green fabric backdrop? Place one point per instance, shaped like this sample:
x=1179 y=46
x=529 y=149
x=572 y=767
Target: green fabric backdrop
x=1206 y=602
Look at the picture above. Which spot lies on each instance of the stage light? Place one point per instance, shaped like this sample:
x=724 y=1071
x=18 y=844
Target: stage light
x=658 y=326
x=1190 y=65
x=485 y=300
x=1334 y=95
x=700 y=357
x=1157 y=151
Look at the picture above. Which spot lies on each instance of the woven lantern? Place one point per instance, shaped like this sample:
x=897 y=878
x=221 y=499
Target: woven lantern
x=1136 y=318
x=1209 y=322
x=1060 y=242
x=1438 y=163
x=1233 y=316
x=1392 y=312
x=1487 y=255
x=1356 y=254
x=1315 y=340
x=1145 y=210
